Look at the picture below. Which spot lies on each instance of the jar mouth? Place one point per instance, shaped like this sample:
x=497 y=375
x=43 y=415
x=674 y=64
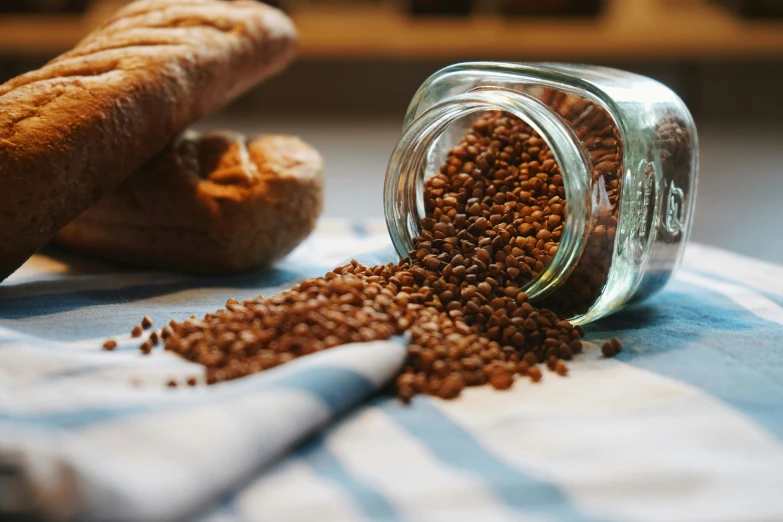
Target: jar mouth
x=404 y=182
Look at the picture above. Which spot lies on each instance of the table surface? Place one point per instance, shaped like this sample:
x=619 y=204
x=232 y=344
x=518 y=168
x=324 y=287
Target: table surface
x=686 y=424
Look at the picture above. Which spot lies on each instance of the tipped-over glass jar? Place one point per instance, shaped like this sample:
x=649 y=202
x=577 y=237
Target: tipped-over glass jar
x=610 y=225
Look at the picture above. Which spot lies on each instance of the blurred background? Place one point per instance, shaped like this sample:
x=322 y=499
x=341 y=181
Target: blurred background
x=362 y=60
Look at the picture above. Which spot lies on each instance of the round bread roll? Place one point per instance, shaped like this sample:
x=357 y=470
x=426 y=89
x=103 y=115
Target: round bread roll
x=210 y=204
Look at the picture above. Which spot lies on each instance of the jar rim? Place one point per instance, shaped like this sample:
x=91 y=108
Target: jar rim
x=403 y=186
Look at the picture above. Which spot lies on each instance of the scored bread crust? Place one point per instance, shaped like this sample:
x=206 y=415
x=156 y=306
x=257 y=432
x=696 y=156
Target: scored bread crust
x=74 y=129
x=210 y=204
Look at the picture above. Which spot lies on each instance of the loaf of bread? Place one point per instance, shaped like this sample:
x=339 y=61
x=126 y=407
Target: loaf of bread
x=74 y=129
x=215 y=203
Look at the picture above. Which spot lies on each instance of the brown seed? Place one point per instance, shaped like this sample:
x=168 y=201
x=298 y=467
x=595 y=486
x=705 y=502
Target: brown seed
x=561 y=368
x=544 y=234
x=501 y=380
x=154 y=339
x=145 y=348
x=172 y=383
x=110 y=345
x=535 y=374
x=146 y=322
x=452 y=386
x=136 y=332
x=191 y=381
x=405 y=394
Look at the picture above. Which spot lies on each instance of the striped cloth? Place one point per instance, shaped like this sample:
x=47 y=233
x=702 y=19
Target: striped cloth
x=685 y=425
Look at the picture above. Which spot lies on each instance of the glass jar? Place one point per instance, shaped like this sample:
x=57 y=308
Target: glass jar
x=625 y=144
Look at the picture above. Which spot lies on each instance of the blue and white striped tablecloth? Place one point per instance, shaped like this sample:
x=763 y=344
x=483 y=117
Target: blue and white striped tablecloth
x=685 y=425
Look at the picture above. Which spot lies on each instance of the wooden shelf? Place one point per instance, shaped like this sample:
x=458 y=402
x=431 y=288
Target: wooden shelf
x=49 y=35
x=636 y=29
x=627 y=29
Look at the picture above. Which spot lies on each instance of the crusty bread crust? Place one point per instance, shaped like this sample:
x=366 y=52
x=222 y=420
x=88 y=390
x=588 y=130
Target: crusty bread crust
x=74 y=129
x=210 y=204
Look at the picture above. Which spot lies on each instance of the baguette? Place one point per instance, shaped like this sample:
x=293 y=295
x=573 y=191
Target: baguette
x=74 y=129
x=208 y=204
